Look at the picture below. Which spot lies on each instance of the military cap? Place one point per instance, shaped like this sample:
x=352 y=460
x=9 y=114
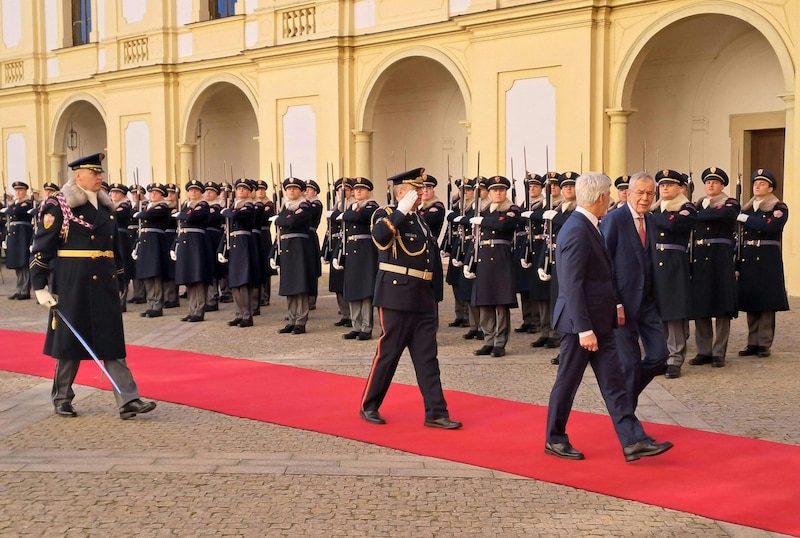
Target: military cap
x=244 y=182
x=225 y=186
x=429 y=181
x=314 y=185
x=623 y=182
x=157 y=187
x=764 y=175
x=567 y=178
x=105 y=186
x=19 y=185
x=715 y=173
x=293 y=182
x=360 y=183
x=468 y=183
x=261 y=184
x=338 y=183
x=137 y=189
x=118 y=187
x=194 y=184
x=497 y=182
x=669 y=176
x=173 y=187
x=91 y=162
x=552 y=177
x=413 y=177
x=533 y=179
x=49 y=186
x=213 y=186
x=479 y=182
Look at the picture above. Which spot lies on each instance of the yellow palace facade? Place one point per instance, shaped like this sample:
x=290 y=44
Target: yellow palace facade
x=214 y=89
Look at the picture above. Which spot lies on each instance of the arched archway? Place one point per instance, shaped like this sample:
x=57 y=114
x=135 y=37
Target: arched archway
x=79 y=129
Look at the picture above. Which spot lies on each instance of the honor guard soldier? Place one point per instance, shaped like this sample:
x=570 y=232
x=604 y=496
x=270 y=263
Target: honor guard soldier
x=622 y=183
x=211 y=192
x=123 y=211
x=151 y=250
x=762 y=290
x=312 y=195
x=525 y=272
x=432 y=209
x=359 y=258
x=194 y=252
x=334 y=238
x=19 y=234
x=78 y=228
x=407 y=290
x=50 y=189
x=673 y=216
x=258 y=240
x=298 y=257
x=265 y=209
x=713 y=277
x=171 y=299
x=138 y=203
x=493 y=291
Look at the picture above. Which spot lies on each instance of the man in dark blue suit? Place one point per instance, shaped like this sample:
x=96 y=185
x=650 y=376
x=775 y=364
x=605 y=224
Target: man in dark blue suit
x=585 y=314
x=630 y=234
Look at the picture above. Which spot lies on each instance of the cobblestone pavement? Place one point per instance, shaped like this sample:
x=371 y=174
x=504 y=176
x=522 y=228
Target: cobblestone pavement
x=182 y=471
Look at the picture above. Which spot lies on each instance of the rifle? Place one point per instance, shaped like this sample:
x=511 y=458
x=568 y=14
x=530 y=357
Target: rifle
x=447 y=240
x=275 y=257
x=476 y=229
x=135 y=251
x=341 y=254
x=525 y=261
x=690 y=191
x=737 y=256
x=544 y=271
x=455 y=258
x=326 y=244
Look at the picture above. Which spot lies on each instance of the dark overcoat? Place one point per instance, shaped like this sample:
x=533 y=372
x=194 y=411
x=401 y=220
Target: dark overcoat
x=674 y=220
x=299 y=255
x=360 y=254
x=195 y=259
x=151 y=246
x=19 y=233
x=494 y=271
x=124 y=213
x=334 y=244
x=243 y=264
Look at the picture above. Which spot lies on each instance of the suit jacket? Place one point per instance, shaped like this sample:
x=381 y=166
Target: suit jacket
x=633 y=265
x=586 y=298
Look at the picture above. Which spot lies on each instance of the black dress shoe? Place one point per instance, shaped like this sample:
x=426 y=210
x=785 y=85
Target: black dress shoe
x=699 y=360
x=352 y=335
x=540 y=342
x=299 y=329
x=763 y=352
x=470 y=334
x=364 y=336
x=348 y=323
x=673 y=371
x=13 y=297
x=211 y=308
x=523 y=328
x=257 y=312
x=552 y=343
x=563 y=450
x=480 y=335
x=556 y=359
x=145 y=314
x=442 y=423
x=246 y=322
x=372 y=416
x=138 y=300
x=65 y=410
x=644 y=449
x=226 y=299
x=287 y=329
x=533 y=329
x=185 y=318
x=341 y=322
x=172 y=304
x=155 y=314
x=135 y=407
x=195 y=319
x=234 y=322
x=498 y=352
x=748 y=351
x=717 y=362
x=485 y=350
x=458 y=322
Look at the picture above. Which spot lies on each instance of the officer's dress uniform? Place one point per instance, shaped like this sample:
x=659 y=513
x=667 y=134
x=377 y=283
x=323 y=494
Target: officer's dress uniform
x=266 y=248
x=360 y=266
x=674 y=220
x=261 y=255
x=137 y=284
x=762 y=290
x=87 y=280
x=171 y=299
x=18 y=239
x=538 y=294
x=713 y=278
x=332 y=249
x=123 y=212
x=316 y=218
x=152 y=252
x=242 y=256
x=194 y=259
x=214 y=236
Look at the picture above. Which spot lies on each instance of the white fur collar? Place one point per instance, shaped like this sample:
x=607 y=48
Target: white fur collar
x=76 y=197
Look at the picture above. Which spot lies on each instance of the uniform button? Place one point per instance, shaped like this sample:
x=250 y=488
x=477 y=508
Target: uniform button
x=662 y=234
x=91 y=237
x=80 y=217
x=661 y=264
x=394 y=282
x=94 y=277
x=111 y=217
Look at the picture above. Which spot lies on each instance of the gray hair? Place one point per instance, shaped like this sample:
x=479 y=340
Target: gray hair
x=590 y=186
x=639 y=176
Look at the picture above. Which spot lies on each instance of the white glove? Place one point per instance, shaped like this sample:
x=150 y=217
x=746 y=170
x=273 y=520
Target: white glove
x=174 y=214
x=407 y=203
x=354 y=206
x=458 y=219
x=467 y=273
x=328 y=214
x=173 y=255
x=273 y=218
x=5 y=245
x=742 y=217
x=272 y=264
x=340 y=217
x=448 y=212
x=549 y=214
x=221 y=258
x=476 y=220
x=336 y=264
x=44 y=297
x=526 y=214
x=134 y=255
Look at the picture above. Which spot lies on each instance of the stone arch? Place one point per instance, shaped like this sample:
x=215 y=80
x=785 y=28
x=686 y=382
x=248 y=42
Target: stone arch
x=62 y=119
x=201 y=92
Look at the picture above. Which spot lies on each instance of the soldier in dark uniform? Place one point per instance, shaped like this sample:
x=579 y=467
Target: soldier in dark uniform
x=713 y=278
x=334 y=244
x=50 y=189
x=151 y=249
x=312 y=195
x=359 y=259
x=762 y=290
x=19 y=234
x=673 y=215
x=123 y=211
x=242 y=256
x=171 y=299
x=524 y=271
x=265 y=210
x=622 y=183
x=299 y=257
x=493 y=290
x=211 y=192
x=432 y=209
x=79 y=229
x=226 y=200
x=138 y=202
x=407 y=290
x=194 y=257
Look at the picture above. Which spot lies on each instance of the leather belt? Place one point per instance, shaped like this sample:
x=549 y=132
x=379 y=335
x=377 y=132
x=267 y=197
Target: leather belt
x=152 y=230
x=762 y=243
x=667 y=246
x=193 y=230
x=493 y=242
x=240 y=232
x=18 y=222
x=358 y=237
x=93 y=254
x=294 y=236
x=719 y=241
x=399 y=269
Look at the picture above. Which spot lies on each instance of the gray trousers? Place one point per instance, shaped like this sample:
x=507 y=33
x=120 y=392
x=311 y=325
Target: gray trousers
x=23 y=280
x=528 y=312
x=212 y=295
x=139 y=291
x=154 y=290
x=118 y=369
x=255 y=298
x=361 y=315
x=197 y=295
x=545 y=318
x=462 y=309
x=170 y=291
x=474 y=317
x=709 y=344
x=677 y=333
x=243 y=301
x=298 y=309
x=760 y=329
x=344 y=306
x=495 y=324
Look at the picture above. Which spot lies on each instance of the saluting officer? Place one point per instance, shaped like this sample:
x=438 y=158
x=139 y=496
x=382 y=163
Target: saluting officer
x=493 y=291
x=123 y=211
x=432 y=209
x=762 y=290
x=360 y=259
x=713 y=278
x=673 y=215
x=19 y=234
x=407 y=290
x=151 y=248
x=193 y=253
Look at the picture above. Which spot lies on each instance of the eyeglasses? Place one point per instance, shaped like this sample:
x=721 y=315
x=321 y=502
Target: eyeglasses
x=648 y=194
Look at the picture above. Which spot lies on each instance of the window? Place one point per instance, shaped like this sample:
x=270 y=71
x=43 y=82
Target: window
x=217 y=9
x=81 y=21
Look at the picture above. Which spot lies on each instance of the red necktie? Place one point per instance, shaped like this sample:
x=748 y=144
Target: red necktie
x=640 y=226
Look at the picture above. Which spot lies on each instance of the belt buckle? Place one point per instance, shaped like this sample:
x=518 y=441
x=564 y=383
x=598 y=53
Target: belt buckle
x=425 y=274
x=95 y=254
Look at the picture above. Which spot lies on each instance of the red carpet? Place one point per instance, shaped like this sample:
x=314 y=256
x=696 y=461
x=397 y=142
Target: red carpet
x=722 y=477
